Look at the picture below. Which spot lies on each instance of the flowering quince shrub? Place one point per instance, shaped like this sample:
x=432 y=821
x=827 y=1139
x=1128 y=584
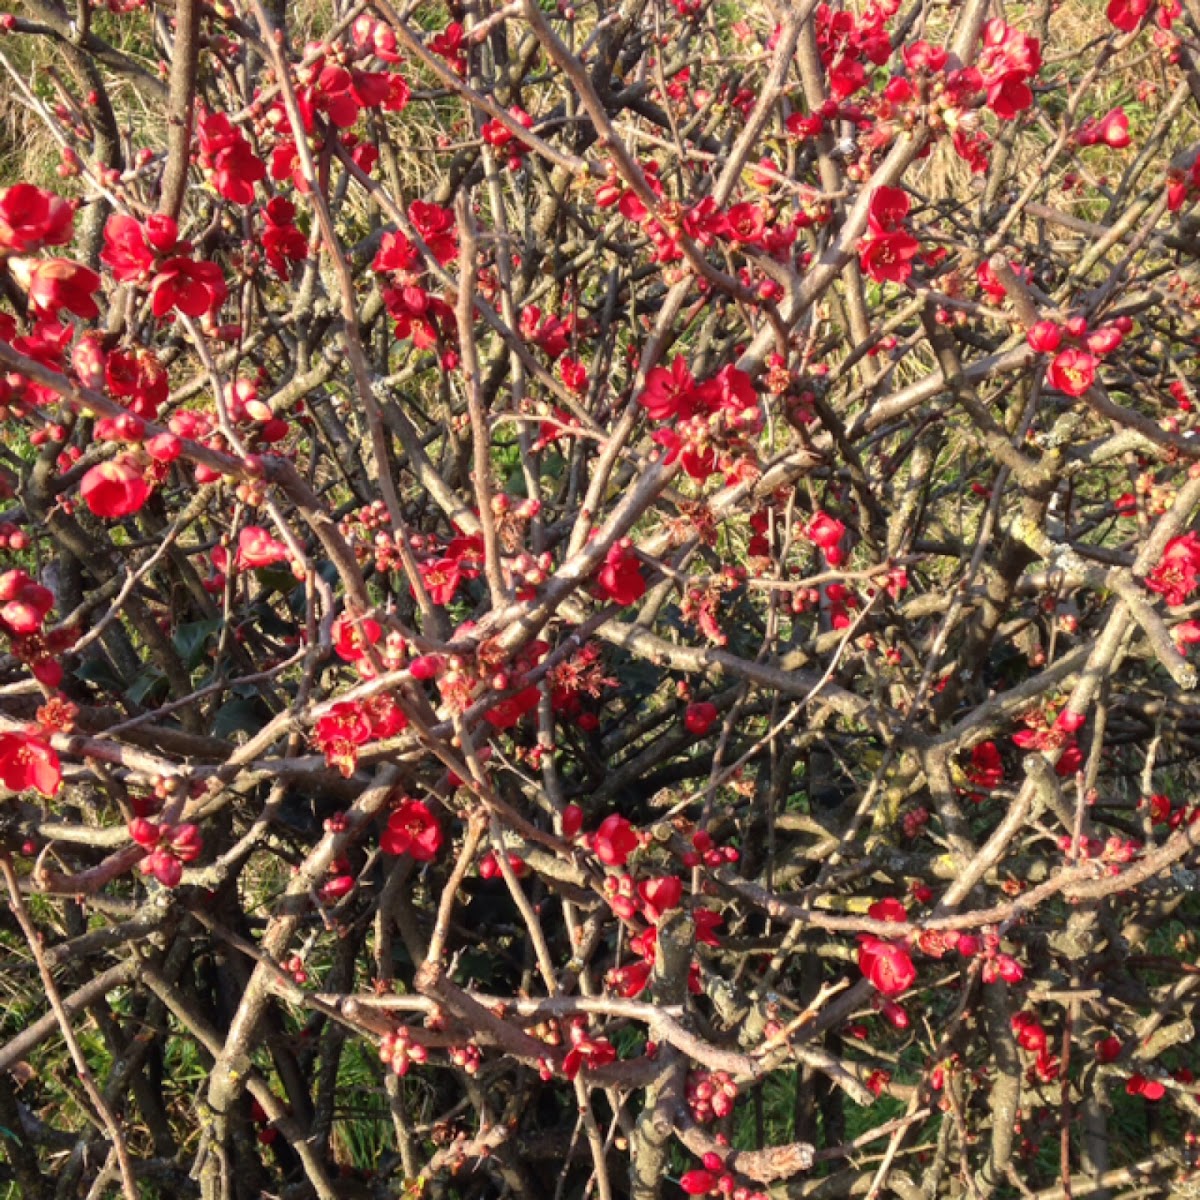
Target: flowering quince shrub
x=601 y=601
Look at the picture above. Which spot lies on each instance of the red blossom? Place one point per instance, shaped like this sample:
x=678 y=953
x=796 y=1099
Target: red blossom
x=512 y=708
x=697 y=1182
x=987 y=769
x=825 y=531
x=27 y=761
x=887 y=965
x=659 y=895
x=115 y=488
x=1177 y=574
x=257 y=548
x=620 y=579
x=1073 y=371
x=614 y=841
x=413 y=830
x=56 y=285
x=1044 y=337
x=587 y=1053
x=31 y=218
x=700 y=718
x=1148 y=1089
x=887 y=257
x=669 y=392
x=194 y=288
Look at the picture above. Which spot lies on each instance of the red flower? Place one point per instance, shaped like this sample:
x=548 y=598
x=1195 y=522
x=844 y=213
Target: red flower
x=887 y=257
x=615 y=841
x=164 y=866
x=185 y=841
x=729 y=389
x=31 y=218
x=340 y=732
x=1150 y=1089
x=888 y=909
x=126 y=250
x=24 y=603
x=878 y=1080
x=1127 y=15
x=55 y=284
x=396 y=254
x=426 y=667
x=436 y=226
x=257 y=548
x=1178 y=571
x=1112 y=129
x=385 y=717
x=1072 y=371
x=620 y=578
x=699 y=718
x=283 y=243
x=412 y=829
x=987 y=770
x=351 y=637
x=706 y=921
x=629 y=981
x=510 y=710
x=659 y=895
x=1044 y=337
x=588 y=1052
x=698 y=1183
x=824 y=530
x=886 y=965
x=26 y=761
x=229 y=158
x=139 y=378
x=669 y=393
x=194 y=288
x=1009 y=95
x=449 y=45
x=572 y=821
x=115 y=488
x=889 y=206
x=441 y=577
x=1028 y=1031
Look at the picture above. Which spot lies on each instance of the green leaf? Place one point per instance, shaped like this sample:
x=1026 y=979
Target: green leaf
x=190 y=639
x=146 y=682
x=241 y=715
x=98 y=671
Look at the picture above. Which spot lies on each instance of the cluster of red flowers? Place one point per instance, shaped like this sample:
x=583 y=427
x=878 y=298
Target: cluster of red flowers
x=1040 y=733
x=150 y=253
x=349 y=725
x=846 y=40
x=827 y=532
x=167 y=848
x=705 y=424
x=711 y=1095
x=24 y=607
x=1127 y=15
x=1177 y=574
x=399 y=1050
x=887 y=251
x=713 y=1180
x=1073 y=369
x=1031 y=1035
x=227 y=158
x=424 y=318
x=887 y=964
